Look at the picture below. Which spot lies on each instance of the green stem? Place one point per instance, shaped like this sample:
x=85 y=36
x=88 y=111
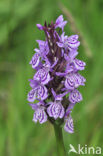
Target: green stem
x=59 y=140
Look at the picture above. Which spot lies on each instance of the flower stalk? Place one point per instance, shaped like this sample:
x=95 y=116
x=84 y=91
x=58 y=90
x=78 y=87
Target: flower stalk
x=59 y=140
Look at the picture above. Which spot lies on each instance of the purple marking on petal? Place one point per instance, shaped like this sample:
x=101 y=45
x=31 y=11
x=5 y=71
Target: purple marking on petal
x=73 y=42
x=73 y=81
x=79 y=65
x=56 y=110
x=40 y=116
x=68 y=127
x=41 y=92
x=35 y=60
x=70 y=43
x=70 y=82
x=43 y=117
x=79 y=80
x=75 y=96
x=42 y=75
x=31 y=95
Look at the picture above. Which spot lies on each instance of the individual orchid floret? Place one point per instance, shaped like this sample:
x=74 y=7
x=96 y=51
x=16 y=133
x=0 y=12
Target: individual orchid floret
x=40 y=115
x=43 y=48
x=31 y=95
x=74 y=80
x=70 y=56
x=42 y=75
x=79 y=65
x=60 y=22
x=40 y=92
x=55 y=110
x=69 y=127
x=75 y=96
x=73 y=42
x=69 y=43
x=35 y=60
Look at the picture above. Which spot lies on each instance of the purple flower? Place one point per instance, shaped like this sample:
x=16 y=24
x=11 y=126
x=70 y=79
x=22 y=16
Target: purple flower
x=74 y=80
x=44 y=48
x=42 y=75
x=31 y=95
x=40 y=92
x=73 y=42
x=35 y=60
x=71 y=55
x=70 y=43
x=60 y=22
x=57 y=75
x=70 y=82
x=55 y=110
x=69 y=125
x=75 y=96
x=79 y=65
x=40 y=115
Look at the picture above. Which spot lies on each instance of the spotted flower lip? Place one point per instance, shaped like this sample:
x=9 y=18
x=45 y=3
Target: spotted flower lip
x=40 y=115
x=31 y=95
x=40 y=92
x=56 y=79
x=35 y=60
x=69 y=125
x=56 y=110
x=75 y=96
x=79 y=65
x=70 y=42
x=42 y=75
x=74 y=80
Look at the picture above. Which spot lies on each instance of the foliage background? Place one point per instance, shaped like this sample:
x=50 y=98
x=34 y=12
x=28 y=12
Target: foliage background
x=18 y=18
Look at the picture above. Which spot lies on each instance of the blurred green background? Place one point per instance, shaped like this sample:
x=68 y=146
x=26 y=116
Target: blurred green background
x=18 y=18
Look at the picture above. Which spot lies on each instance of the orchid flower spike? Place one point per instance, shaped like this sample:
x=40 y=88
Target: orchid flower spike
x=55 y=83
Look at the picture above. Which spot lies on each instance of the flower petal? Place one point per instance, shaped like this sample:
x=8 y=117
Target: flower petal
x=68 y=127
x=75 y=96
x=40 y=116
x=42 y=75
x=55 y=110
